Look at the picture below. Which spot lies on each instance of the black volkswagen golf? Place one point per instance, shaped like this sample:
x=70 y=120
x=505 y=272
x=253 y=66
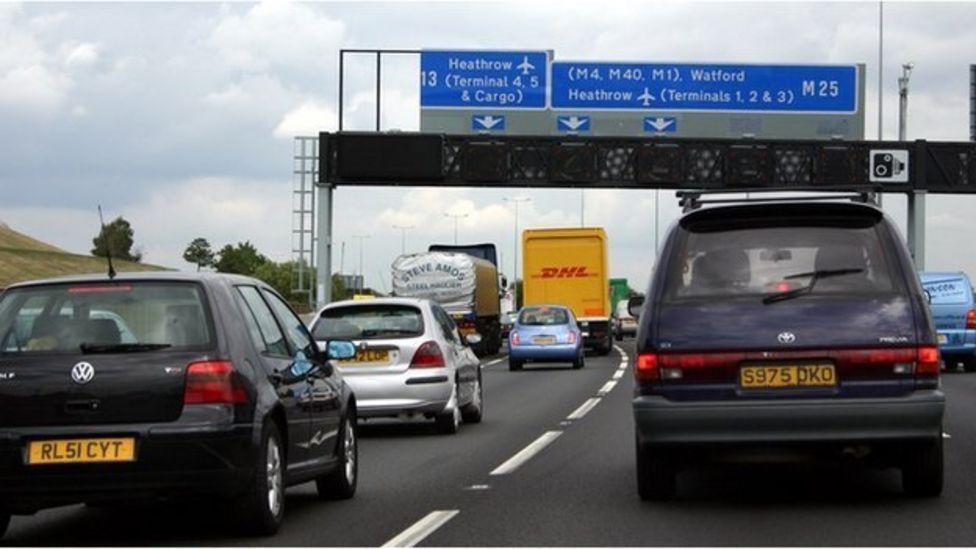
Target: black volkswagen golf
x=164 y=385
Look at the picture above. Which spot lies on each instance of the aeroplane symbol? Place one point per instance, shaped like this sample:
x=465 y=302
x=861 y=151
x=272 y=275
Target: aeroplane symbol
x=646 y=97
x=525 y=66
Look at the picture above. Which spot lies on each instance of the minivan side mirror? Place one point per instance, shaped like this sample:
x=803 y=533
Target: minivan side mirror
x=634 y=305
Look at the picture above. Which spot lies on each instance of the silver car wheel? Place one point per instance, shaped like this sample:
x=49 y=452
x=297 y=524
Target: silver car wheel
x=275 y=484
x=456 y=413
x=476 y=397
x=349 y=447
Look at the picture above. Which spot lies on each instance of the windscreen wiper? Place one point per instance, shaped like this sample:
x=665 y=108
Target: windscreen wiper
x=814 y=277
x=90 y=348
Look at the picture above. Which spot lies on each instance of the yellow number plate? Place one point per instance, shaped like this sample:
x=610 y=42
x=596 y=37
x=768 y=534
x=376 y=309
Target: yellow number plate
x=89 y=450
x=369 y=356
x=943 y=338
x=543 y=340
x=799 y=375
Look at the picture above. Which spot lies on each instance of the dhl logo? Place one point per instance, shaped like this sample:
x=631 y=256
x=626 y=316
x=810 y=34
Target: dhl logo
x=563 y=272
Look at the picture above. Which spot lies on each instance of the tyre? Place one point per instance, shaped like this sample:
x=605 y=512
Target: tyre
x=514 y=365
x=341 y=483
x=656 y=474
x=579 y=362
x=4 y=523
x=922 y=471
x=448 y=422
x=969 y=363
x=475 y=410
x=263 y=504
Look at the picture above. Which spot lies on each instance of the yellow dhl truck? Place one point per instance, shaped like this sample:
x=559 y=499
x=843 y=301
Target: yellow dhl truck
x=569 y=267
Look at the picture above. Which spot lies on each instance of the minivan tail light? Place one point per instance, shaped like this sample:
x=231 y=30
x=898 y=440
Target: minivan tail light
x=212 y=382
x=646 y=369
x=428 y=355
x=927 y=361
x=971 y=319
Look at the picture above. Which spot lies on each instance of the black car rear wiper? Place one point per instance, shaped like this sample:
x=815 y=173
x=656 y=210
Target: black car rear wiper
x=386 y=331
x=89 y=348
x=814 y=277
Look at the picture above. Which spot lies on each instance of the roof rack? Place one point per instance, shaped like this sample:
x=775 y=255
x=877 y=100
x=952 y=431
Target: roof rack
x=692 y=200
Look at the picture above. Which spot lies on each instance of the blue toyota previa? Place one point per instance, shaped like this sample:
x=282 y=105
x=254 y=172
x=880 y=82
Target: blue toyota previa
x=791 y=330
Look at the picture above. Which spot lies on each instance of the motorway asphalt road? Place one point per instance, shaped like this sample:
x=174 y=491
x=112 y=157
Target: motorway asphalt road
x=417 y=486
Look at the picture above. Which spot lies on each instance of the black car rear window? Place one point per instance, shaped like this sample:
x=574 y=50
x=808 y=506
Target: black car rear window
x=369 y=322
x=543 y=316
x=104 y=317
x=727 y=260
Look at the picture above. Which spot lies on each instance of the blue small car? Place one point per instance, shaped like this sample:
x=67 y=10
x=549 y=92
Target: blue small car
x=950 y=297
x=545 y=333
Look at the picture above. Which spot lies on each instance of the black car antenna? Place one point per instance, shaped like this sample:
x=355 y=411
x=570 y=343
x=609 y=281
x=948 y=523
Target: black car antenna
x=108 y=246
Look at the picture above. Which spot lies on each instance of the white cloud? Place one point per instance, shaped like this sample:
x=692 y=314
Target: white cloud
x=278 y=33
x=81 y=55
x=34 y=87
x=309 y=118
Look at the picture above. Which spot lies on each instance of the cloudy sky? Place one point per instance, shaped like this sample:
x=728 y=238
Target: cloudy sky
x=181 y=117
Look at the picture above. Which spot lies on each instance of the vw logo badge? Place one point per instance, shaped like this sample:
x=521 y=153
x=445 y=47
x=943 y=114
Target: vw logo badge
x=82 y=373
x=786 y=338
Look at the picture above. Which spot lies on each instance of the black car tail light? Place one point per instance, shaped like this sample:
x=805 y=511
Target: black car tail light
x=212 y=382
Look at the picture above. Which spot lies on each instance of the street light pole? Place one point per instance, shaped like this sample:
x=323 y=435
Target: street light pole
x=403 y=236
x=362 y=238
x=515 y=277
x=916 y=199
x=456 y=217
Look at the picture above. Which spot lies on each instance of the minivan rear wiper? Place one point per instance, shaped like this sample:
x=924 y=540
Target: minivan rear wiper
x=814 y=277
x=89 y=348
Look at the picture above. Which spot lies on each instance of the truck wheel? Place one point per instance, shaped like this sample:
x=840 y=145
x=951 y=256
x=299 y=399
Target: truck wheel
x=514 y=365
x=341 y=483
x=922 y=471
x=263 y=504
x=475 y=410
x=656 y=475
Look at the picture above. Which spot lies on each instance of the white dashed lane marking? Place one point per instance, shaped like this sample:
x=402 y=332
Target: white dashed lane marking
x=584 y=409
x=526 y=453
x=421 y=529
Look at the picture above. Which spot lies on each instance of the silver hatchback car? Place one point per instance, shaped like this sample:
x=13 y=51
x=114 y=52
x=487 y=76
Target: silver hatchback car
x=412 y=361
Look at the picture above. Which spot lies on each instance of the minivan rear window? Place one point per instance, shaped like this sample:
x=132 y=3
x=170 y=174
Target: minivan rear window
x=947 y=290
x=770 y=259
x=104 y=317
x=369 y=322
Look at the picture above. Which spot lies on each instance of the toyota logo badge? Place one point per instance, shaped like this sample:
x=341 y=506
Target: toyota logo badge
x=82 y=373
x=786 y=338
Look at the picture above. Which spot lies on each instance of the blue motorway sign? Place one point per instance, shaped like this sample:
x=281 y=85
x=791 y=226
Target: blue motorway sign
x=704 y=87
x=484 y=79
x=573 y=123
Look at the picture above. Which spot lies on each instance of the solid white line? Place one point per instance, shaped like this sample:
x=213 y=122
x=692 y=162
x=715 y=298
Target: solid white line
x=526 y=453
x=618 y=374
x=584 y=409
x=421 y=529
x=607 y=387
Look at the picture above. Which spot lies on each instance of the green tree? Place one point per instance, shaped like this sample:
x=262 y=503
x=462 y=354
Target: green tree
x=199 y=253
x=339 y=290
x=279 y=276
x=243 y=259
x=116 y=237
